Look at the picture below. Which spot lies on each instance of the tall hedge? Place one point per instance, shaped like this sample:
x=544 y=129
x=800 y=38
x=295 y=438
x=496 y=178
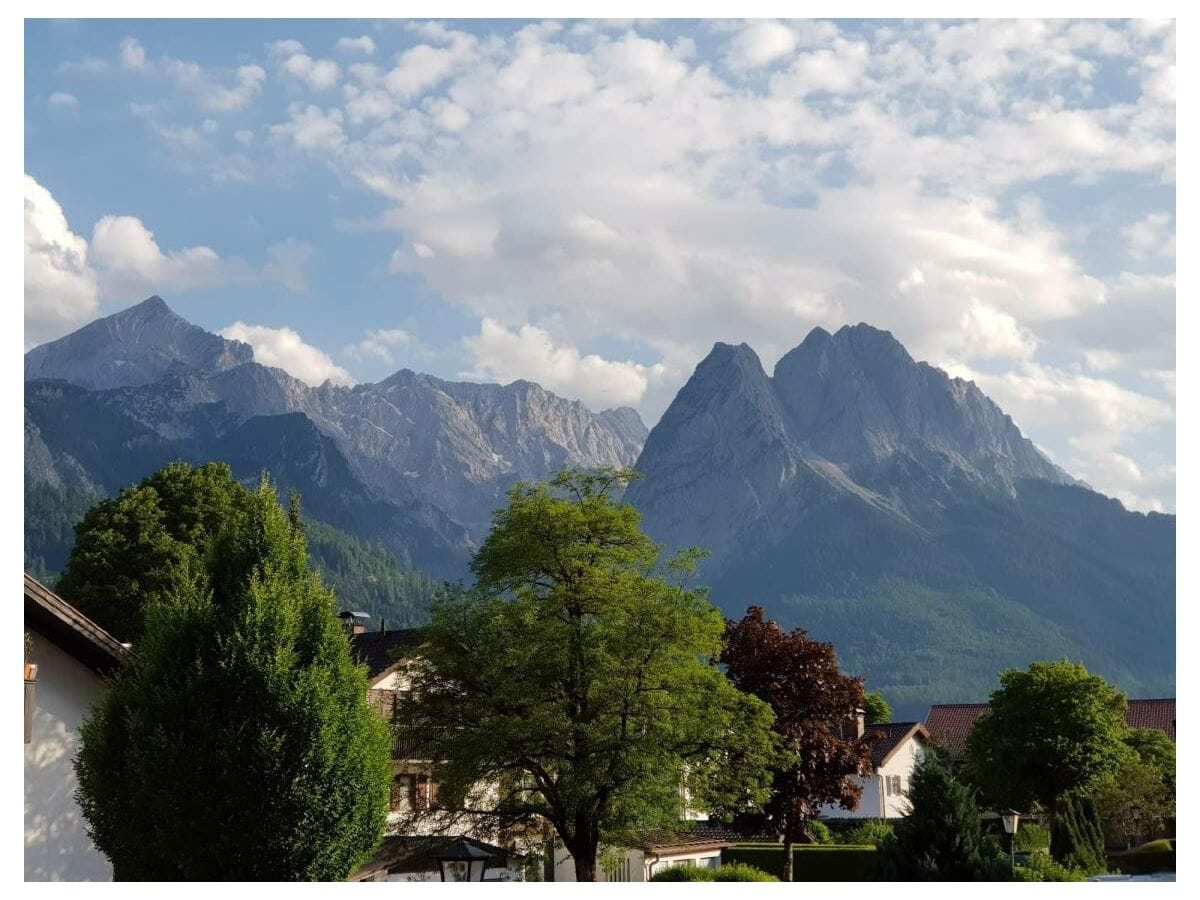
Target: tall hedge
x=238 y=743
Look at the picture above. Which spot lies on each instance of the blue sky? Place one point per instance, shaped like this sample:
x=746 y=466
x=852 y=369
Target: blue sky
x=591 y=205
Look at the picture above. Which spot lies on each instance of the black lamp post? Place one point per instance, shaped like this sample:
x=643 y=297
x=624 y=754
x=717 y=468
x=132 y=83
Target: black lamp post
x=463 y=861
x=1012 y=820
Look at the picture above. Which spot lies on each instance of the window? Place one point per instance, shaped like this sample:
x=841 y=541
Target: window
x=894 y=785
x=404 y=791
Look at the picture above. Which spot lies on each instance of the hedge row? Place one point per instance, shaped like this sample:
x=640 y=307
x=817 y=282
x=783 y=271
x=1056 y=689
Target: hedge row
x=822 y=862
x=1157 y=856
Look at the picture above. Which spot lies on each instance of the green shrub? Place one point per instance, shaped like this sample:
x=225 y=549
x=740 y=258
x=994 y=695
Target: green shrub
x=1041 y=867
x=1156 y=856
x=1031 y=837
x=810 y=862
x=820 y=832
x=1076 y=838
x=741 y=872
x=684 y=873
x=872 y=833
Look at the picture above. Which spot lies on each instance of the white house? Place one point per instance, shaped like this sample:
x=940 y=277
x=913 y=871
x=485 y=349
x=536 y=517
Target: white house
x=896 y=749
x=73 y=656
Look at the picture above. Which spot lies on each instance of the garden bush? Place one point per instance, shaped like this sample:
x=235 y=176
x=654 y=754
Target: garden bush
x=684 y=873
x=1156 y=856
x=872 y=832
x=820 y=832
x=811 y=862
x=741 y=872
x=1032 y=837
x=1041 y=867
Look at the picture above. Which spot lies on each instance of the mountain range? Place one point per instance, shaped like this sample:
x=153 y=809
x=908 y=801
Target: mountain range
x=855 y=492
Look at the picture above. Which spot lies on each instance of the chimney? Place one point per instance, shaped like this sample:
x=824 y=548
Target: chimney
x=353 y=622
x=856 y=725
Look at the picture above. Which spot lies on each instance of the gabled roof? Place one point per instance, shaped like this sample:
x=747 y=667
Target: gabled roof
x=74 y=633
x=378 y=649
x=950 y=724
x=887 y=738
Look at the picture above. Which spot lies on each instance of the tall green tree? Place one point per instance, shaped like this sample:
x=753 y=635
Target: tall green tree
x=877 y=710
x=580 y=678
x=814 y=704
x=1049 y=729
x=1134 y=801
x=131 y=550
x=238 y=743
x=941 y=839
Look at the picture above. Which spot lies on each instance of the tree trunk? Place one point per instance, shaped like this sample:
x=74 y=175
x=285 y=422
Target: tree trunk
x=585 y=862
x=788 y=857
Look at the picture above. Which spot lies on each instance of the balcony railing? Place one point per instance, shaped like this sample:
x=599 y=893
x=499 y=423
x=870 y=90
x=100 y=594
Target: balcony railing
x=416 y=742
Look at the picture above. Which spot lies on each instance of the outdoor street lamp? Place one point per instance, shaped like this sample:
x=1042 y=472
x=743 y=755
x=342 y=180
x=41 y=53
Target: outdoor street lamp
x=463 y=861
x=1011 y=819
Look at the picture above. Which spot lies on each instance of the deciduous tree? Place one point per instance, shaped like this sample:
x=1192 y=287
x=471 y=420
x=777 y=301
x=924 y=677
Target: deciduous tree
x=1049 y=729
x=579 y=678
x=814 y=704
x=132 y=550
x=878 y=711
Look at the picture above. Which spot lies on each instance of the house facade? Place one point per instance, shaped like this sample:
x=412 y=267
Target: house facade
x=896 y=750
x=74 y=658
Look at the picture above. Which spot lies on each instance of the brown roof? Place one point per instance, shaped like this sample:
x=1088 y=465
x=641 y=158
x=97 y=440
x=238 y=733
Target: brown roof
x=699 y=836
x=378 y=649
x=885 y=739
x=418 y=853
x=1158 y=714
x=949 y=724
x=58 y=621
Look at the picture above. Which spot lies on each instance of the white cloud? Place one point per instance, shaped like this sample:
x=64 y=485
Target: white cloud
x=363 y=44
x=133 y=55
x=759 y=44
x=421 y=67
x=318 y=74
x=312 y=128
x=213 y=90
x=378 y=345
x=285 y=349
x=60 y=287
x=62 y=99
x=132 y=265
x=531 y=353
x=1151 y=237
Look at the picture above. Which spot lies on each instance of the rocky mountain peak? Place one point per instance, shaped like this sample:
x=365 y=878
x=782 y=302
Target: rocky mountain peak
x=133 y=347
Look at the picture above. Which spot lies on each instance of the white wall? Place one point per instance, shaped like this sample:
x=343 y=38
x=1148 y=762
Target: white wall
x=57 y=847
x=875 y=803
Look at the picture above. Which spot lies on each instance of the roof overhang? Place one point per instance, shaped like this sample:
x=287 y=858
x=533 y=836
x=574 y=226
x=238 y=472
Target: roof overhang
x=67 y=628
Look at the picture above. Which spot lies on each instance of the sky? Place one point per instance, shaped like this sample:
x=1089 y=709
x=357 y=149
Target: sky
x=590 y=205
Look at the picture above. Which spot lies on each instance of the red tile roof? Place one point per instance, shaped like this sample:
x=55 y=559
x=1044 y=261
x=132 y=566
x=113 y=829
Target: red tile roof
x=949 y=724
